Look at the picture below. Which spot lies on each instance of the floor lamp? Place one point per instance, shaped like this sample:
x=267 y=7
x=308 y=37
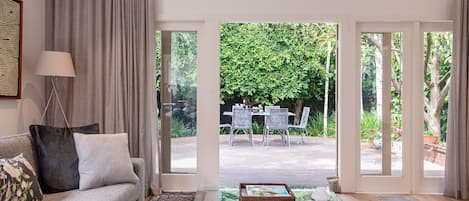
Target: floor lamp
x=52 y=65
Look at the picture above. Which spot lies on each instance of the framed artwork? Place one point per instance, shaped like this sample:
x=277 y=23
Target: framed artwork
x=11 y=28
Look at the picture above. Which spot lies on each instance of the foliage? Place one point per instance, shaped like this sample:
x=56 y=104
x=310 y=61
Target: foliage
x=179 y=129
x=268 y=63
x=316 y=125
x=369 y=126
x=183 y=64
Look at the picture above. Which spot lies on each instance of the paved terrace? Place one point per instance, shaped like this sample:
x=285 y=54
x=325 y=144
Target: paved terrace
x=305 y=164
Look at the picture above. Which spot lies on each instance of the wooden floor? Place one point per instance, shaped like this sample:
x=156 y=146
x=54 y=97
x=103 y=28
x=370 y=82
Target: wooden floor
x=370 y=197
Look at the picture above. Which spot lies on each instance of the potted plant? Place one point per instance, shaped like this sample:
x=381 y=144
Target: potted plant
x=429 y=138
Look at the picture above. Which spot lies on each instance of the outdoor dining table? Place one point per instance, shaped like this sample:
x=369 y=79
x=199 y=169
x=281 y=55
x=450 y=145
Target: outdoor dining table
x=257 y=113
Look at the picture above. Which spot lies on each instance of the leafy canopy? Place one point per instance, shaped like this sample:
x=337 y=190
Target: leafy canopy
x=268 y=63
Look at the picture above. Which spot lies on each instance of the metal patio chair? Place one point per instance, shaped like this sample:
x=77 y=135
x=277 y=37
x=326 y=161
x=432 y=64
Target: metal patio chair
x=277 y=120
x=241 y=121
x=303 y=123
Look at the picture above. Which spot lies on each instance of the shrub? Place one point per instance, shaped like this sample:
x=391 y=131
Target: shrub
x=179 y=129
x=369 y=125
x=315 y=125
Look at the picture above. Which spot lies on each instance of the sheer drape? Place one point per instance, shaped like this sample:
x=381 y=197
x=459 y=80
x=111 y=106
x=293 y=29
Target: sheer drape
x=457 y=154
x=112 y=43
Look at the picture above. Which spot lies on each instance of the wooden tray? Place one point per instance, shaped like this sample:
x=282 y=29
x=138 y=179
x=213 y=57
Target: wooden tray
x=244 y=197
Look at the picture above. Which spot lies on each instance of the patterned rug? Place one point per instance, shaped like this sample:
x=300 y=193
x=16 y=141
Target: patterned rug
x=394 y=198
x=179 y=196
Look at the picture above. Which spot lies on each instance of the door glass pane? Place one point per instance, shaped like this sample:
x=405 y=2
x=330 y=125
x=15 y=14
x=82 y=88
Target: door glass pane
x=381 y=113
x=177 y=53
x=437 y=68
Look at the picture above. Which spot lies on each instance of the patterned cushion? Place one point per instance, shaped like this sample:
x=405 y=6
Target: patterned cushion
x=18 y=180
x=57 y=158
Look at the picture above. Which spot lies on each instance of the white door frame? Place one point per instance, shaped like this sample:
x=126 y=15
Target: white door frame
x=412 y=179
x=184 y=181
x=422 y=184
x=348 y=106
x=381 y=183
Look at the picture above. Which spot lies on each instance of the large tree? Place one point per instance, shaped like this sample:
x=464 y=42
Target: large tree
x=437 y=67
x=269 y=63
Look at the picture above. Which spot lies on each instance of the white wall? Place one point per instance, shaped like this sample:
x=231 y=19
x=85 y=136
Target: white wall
x=379 y=10
x=17 y=115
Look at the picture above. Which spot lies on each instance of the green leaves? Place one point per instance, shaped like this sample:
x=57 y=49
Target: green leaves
x=269 y=63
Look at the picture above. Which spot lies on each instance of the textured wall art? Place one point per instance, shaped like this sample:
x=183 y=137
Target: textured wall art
x=10 y=48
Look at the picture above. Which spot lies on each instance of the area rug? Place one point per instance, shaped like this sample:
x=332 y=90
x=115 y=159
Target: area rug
x=394 y=198
x=175 y=196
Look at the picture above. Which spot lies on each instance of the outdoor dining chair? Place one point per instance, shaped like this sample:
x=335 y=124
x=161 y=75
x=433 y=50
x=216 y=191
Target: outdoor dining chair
x=267 y=111
x=277 y=120
x=241 y=121
x=229 y=125
x=303 y=123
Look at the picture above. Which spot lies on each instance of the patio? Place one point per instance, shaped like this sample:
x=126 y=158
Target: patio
x=305 y=164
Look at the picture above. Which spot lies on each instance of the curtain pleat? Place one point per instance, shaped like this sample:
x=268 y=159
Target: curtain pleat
x=112 y=45
x=457 y=153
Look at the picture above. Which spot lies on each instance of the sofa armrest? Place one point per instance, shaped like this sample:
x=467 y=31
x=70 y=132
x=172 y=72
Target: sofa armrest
x=139 y=169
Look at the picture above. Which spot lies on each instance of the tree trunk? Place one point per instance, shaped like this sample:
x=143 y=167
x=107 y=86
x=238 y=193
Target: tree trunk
x=298 y=106
x=434 y=104
x=379 y=79
x=248 y=102
x=326 y=88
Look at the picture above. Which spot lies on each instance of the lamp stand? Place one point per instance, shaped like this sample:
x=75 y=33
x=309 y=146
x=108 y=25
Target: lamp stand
x=52 y=93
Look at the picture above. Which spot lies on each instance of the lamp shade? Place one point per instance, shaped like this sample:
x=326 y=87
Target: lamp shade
x=52 y=63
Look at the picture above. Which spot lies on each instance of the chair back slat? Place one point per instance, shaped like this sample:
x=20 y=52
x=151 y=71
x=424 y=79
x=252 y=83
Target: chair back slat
x=267 y=108
x=277 y=119
x=304 y=117
x=242 y=118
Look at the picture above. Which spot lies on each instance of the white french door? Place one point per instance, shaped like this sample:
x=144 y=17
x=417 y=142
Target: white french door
x=385 y=98
x=397 y=100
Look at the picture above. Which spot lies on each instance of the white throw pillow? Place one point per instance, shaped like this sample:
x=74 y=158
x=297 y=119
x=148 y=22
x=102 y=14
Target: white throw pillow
x=103 y=159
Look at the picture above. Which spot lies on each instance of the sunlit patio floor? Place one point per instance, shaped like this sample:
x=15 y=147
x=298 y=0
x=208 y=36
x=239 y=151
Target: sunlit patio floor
x=305 y=164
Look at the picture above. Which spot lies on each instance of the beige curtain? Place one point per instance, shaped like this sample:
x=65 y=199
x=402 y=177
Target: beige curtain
x=457 y=153
x=112 y=43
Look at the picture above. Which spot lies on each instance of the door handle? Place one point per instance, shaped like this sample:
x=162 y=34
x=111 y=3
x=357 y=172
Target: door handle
x=169 y=104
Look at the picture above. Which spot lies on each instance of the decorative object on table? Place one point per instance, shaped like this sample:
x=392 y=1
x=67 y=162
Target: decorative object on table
x=54 y=64
x=265 y=192
x=334 y=185
x=57 y=159
x=18 y=180
x=320 y=194
x=176 y=196
x=11 y=28
x=104 y=159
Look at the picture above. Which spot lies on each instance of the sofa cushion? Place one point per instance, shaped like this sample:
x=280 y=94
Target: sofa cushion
x=118 y=192
x=104 y=160
x=13 y=145
x=56 y=156
x=18 y=180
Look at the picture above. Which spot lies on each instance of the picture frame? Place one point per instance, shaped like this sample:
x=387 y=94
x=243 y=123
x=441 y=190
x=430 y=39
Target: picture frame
x=11 y=33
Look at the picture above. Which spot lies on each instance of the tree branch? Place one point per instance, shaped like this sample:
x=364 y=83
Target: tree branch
x=374 y=42
x=428 y=52
x=444 y=93
x=445 y=77
x=395 y=82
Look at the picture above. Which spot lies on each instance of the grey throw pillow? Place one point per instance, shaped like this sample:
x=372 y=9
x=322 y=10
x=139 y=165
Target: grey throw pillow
x=57 y=158
x=104 y=159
